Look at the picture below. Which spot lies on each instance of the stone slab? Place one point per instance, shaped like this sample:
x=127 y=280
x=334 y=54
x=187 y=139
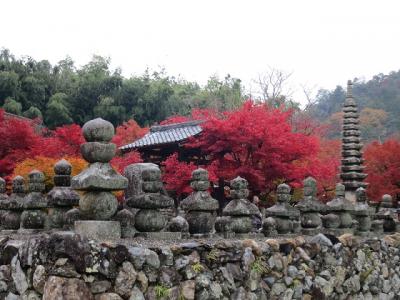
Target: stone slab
x=99 y=230
x=162 y=235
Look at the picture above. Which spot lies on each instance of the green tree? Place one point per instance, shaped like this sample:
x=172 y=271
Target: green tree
x=32 y=113
x=12 y=106
x=8 y=85
x=108 y=110
x=57 y=112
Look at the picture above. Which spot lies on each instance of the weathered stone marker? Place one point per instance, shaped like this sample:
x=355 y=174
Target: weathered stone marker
x=362 y=213
x=201 y=208
x=62 y=198
x=352 y=174
x=310 y=208
x=149 y=199
x=239 y=210
x=281 y=218
x=97 y=205
x=33 y=216
x=342 y=209
x=11 y=218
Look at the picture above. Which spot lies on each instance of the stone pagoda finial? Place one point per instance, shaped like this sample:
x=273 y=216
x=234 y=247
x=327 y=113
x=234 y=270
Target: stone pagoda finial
x=352 y=175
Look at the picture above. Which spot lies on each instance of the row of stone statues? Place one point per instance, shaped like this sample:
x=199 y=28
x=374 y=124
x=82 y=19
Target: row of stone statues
x=144 y=208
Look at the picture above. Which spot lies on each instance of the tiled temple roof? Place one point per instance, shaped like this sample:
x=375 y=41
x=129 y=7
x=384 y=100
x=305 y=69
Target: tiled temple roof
x=166 y=134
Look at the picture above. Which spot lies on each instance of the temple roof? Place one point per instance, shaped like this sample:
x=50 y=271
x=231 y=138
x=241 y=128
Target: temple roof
x=166 y=134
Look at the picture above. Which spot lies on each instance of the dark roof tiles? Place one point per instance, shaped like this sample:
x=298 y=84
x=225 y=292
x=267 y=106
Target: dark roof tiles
x=166 y=134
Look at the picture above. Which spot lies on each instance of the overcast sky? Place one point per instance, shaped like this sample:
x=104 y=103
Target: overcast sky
x=322 y=42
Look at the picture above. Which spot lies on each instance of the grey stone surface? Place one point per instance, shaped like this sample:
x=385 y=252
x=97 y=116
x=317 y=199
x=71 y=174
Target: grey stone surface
x=342 y=208
x=99 y=230
x=98 y=205
x=281 y=217
x=98 y=130
x=149 y=198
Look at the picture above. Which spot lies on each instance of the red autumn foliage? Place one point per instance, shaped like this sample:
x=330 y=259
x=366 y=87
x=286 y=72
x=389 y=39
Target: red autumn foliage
x=21 y=140
x=382 y=162
x=258 y=143
x=177 y=174
x=128 y=132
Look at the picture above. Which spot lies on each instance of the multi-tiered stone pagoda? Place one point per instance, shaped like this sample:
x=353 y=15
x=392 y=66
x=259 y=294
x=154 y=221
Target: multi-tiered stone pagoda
x=352 y=169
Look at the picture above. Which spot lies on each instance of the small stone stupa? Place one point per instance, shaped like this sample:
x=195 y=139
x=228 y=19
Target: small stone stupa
x=98 y=204
x=11 y=218
x=34 y=216
x=343 y=209
x=200 y=207
x=311 y=208
x=240 y=210
x=149 y=219
x=282 y=218
x=352 y=174
x=387 y=214
x=61 y=197
x=363 y=213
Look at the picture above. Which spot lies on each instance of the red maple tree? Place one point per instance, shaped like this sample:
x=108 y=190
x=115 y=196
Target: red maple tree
x=382 y=162
x=258 y=143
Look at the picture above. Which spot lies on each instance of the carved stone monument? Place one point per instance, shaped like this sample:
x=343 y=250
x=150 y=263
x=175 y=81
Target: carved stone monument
x=352 y=174
x=281 y=218
x=201 y=208
x=34 y=216
x=310 y=208
x=239 y=210
x=98 y=205
x=11 y=218
x=363 y=213
x=3 y=200
x=343 y=209
x=387 y=214
x=61 y=197
x=149 y=200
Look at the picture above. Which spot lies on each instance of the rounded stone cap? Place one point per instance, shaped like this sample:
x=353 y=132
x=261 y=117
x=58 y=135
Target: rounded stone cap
x=387 y=201
x=36 y=176
x=283 y=188
x=18 y=180
x=62 y=167
x=361 y=195
x=18 y=184
x=238 y=183
x=200 y=174
x=310 y=186
x=98 y=130
x=340 y=190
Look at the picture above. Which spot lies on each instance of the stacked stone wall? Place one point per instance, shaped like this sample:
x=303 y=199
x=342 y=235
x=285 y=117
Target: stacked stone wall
x=67 y=266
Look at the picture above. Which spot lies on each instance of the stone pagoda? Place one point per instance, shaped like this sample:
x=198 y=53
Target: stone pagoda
x=98 y=204
x=352 y=169
x=61 y=197
x=240 y=210
x=200 y=207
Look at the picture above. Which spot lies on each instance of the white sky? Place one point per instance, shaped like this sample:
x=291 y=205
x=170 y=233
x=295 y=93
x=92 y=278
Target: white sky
x=322 y=42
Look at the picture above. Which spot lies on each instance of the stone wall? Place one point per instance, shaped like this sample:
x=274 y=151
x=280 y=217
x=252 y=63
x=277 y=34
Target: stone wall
x=66 y=266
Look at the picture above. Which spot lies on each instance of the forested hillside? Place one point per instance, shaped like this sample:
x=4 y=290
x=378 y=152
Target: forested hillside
x=379 y=105
x=64 y=94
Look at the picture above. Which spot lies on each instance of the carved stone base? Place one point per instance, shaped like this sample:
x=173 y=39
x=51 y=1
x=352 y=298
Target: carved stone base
x=99 y=230
x=161 y=235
